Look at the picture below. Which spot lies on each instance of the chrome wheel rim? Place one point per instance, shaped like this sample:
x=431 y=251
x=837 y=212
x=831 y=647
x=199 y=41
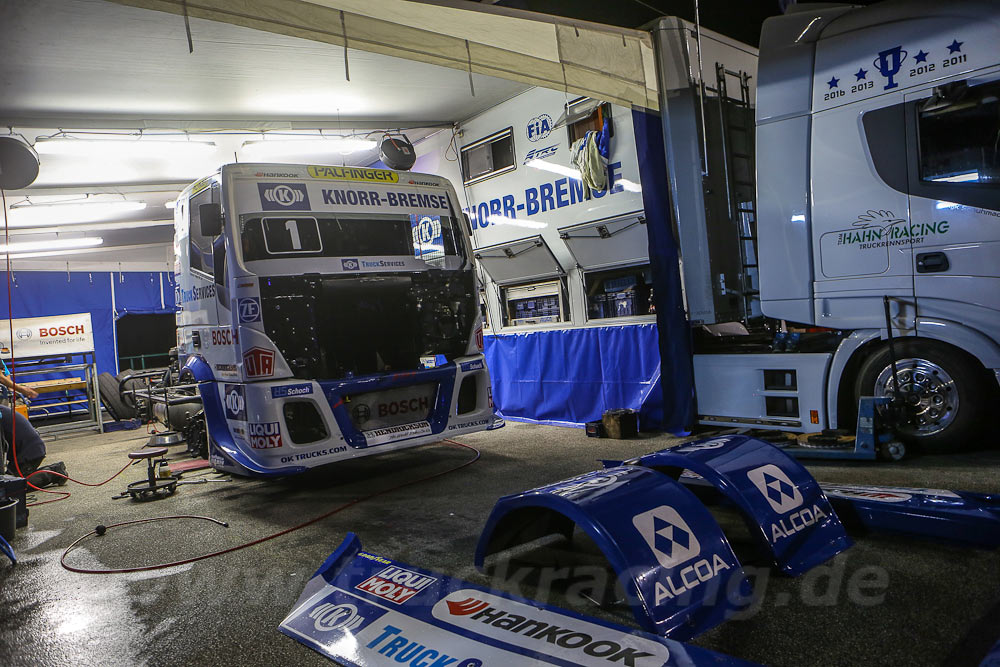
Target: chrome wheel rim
x=929 y=391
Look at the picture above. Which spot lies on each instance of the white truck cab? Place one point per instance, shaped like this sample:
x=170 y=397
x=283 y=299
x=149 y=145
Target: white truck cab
x=327 y=313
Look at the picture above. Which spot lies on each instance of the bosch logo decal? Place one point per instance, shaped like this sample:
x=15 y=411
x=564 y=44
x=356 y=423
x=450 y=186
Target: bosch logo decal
x=266 y=435
x=539 y=127
x=396 y=584
x=23 y=334
x=331 y=616
x=403 y=407
x=249 y=309
x=291 y=390
x=258 y=362
x=44 y=332
x=283 y=196
x=361 y=413
x=236 y=404
x=225 y=337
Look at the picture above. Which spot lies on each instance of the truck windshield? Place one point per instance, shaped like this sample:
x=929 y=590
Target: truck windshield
x=316 y=235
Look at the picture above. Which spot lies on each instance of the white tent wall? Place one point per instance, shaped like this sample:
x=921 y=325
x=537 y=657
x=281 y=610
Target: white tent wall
x=609 y=63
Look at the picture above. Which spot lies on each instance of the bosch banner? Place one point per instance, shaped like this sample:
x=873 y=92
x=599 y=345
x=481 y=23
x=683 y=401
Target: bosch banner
x=361 y=609
x=45 y=336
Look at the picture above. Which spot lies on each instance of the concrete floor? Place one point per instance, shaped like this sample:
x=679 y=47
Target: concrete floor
x=927 y=605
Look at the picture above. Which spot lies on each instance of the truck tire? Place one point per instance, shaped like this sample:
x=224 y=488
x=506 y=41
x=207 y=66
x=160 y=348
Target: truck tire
x=112 y=400
x=947 y=390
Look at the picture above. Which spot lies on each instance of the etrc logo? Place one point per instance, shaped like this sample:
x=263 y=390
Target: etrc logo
x=331 y=616
x=23 y=333
x=283 y=196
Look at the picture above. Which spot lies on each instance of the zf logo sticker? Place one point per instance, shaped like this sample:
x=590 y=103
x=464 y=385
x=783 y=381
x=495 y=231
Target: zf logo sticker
x=774 y=484
x=669 y=537
x=283 y=196
x=236 y=404
x=249 y=308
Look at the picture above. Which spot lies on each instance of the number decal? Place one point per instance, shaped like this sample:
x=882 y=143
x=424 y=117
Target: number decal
x=293 y=230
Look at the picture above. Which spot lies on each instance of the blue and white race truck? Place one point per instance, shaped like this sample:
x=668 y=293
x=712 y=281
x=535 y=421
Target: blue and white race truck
x=326 y=313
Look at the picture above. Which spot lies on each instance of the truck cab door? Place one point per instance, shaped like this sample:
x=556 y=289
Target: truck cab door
x=954 y=190
x=857 y=212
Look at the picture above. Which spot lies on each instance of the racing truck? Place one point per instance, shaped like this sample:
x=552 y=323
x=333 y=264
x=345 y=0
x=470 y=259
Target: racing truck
x=325 y=313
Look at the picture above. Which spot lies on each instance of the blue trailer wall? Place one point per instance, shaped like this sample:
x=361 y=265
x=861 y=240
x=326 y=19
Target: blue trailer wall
x=106 y=296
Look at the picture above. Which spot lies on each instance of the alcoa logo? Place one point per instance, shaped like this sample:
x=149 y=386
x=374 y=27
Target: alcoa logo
x=668 y=535
x=331 y=616
x=774 y=484
x=284 y=195
x=674 y=543
x=784 y=497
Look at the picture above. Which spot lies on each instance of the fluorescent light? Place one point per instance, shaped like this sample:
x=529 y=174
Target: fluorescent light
x=171 y=204
x=798 y=218
x=946 y=204
x=515 y=222
x=554 y=168
x=54 y=244
x=124 y=148
x=284 y=148
x=35 y=215
x=628 y=185
x=92 y=227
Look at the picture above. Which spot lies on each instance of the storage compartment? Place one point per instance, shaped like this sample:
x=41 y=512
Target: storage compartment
x=536 y=303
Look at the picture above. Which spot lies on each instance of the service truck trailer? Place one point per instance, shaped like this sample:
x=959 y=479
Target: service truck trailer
x=325 y=313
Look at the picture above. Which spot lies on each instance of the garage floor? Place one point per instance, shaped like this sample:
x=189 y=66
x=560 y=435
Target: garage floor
x=925 y=605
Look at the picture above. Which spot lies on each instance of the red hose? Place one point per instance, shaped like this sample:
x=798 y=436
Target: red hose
x=340 y=508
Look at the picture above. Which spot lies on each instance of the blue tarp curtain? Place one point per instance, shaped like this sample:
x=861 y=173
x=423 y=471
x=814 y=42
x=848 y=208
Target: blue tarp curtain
x=41 y=293
x=571 y=376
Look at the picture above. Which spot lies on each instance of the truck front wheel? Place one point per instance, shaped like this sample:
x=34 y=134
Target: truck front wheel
x=944 y=389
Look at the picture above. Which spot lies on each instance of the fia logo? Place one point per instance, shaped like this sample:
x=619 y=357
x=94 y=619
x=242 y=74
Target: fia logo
x=249 y=308
x=349 y=264
x=774 y=485
x=888 y=63
x=539 y=127
x=23 y=334
x=329 y=616
x=668 y=536
x=283 y=196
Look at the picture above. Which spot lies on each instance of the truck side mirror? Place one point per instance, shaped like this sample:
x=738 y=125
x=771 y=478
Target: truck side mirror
x=211 y=219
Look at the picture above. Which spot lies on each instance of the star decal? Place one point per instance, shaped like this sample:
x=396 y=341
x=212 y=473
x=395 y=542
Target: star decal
x=833 y=82
x=955 y=46
x=921 y=56
x=861 y=74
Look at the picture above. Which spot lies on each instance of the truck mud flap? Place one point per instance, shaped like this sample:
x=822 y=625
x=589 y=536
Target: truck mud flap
x=678 y=571
x=784 y=507
x=962 y=517
x=363 y=609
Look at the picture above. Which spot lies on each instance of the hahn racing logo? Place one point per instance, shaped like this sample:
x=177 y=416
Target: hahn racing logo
x=331 y=616
x=283 y=196
x=396 y=584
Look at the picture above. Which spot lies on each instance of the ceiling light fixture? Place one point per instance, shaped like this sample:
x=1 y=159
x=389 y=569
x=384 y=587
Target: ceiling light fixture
x=54 y=244
x=26 y=214
x=126 y=147
x=90 y=227
x=306 y=145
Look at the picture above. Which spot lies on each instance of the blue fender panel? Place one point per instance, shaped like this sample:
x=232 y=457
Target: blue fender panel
x=679 y=573
x=225 y=453
x=784 y=506
x=361 y=609
x=963 y=517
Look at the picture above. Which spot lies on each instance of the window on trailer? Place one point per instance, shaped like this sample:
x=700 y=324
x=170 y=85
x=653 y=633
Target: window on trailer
x=489 y=156
x=620 y=292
